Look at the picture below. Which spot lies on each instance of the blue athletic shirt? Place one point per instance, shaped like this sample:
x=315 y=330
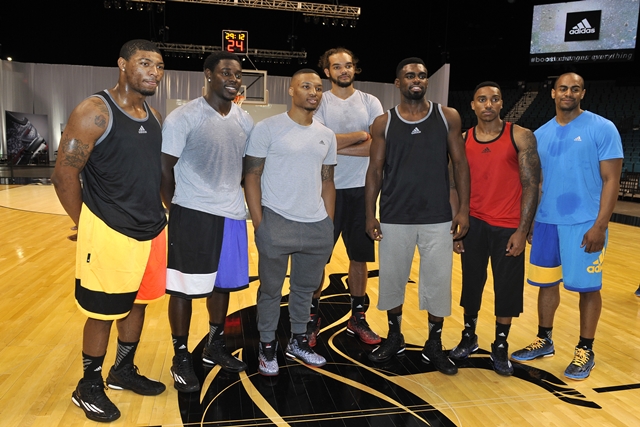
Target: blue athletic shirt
x=570 y=157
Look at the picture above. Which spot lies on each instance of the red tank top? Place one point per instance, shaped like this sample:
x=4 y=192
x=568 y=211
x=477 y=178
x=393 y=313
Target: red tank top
x=495 y=178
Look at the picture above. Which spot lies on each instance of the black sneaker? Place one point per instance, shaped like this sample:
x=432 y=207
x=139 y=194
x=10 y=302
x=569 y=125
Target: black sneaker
x=184 y=378
x=394 y=344
x=468 y=345
x=89 y=395
x=216 y=354
x=128 y=378
x=500 y=358
x=313 y=329
x=434 y=354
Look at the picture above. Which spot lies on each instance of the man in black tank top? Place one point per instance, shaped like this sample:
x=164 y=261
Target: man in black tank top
x=114 y=140
x=410 y=151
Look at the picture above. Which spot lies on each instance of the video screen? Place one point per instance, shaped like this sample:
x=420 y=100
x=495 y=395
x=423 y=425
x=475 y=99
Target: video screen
x=585 y=31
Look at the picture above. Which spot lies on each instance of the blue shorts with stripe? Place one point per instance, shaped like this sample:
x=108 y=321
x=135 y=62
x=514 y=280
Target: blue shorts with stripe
x=207 y=253
x=556 y=256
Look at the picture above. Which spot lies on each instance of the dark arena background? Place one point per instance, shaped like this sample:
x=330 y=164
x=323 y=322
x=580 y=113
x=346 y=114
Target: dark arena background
x=53 y=54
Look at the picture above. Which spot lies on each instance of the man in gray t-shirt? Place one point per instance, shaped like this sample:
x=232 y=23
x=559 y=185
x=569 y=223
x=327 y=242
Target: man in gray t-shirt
x=203 y=144
x=349 y=113
x=289 y=188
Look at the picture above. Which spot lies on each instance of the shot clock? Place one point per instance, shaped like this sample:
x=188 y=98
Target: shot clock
x=235 y=41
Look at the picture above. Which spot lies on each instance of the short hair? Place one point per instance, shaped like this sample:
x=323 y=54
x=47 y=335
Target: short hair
x=411 y=60
x=306 y=71
x=488 y=83
x=555 y=84
x=132 y=46
x=325 y=63
x=213 y=59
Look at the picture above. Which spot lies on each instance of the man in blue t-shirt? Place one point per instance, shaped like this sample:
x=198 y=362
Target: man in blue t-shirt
x=581 y=159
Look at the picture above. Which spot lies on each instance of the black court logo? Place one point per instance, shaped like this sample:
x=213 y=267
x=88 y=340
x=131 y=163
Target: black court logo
x=582 y=26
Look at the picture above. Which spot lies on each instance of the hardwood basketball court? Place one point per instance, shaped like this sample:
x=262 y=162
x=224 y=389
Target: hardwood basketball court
x=41 y=329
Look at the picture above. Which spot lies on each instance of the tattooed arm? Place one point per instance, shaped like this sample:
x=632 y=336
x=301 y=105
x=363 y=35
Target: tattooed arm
x=328 y=190
x=530 y=180
x=87 y=123
x=253 y=167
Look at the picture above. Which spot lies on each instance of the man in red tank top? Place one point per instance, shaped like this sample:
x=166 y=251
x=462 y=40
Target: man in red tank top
x=505 y=173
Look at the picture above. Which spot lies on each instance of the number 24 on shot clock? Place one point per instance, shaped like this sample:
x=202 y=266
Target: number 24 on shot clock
x=235 y=41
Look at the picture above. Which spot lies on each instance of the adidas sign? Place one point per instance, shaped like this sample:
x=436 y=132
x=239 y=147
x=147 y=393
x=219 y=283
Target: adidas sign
x=580 y=26
x=583 y=27
x=415 y=131
x=142 y=130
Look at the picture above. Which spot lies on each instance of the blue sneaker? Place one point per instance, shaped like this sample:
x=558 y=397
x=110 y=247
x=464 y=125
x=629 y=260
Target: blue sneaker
x=637 y=292
x=583 y=362
x=541 y=347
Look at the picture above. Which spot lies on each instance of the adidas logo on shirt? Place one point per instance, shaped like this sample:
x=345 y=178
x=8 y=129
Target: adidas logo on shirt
x=415 y=131
x=322 y=142
x=142 y=130
x=486 y=150
x=577 y=138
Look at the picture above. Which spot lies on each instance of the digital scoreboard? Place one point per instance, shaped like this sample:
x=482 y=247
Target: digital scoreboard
x=235 y=41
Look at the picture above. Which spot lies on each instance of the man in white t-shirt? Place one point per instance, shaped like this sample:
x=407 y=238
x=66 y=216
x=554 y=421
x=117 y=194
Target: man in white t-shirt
x=349 y=113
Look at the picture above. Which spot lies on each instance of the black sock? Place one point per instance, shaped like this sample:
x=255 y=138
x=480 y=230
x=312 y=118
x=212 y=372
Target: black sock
x=502 y=331
x=395 y=321
x=216 y=331
x=470 y=322
x=545 y=332
x=357 y=306
x=315 y=305
x=92 y=366
x=586 y=343
x=435 y=330
x=180 y=344
x=124 y=356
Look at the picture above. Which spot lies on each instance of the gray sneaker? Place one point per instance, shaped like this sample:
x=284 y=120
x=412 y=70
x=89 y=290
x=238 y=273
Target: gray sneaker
x=298 y=348
x=267 y=360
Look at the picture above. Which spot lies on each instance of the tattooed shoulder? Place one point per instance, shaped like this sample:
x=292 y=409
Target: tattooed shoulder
x=74 y=152
x=101 y=117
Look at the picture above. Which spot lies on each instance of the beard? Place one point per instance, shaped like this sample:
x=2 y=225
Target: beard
x=342 y=83
x=415 y=96
x=147 y=92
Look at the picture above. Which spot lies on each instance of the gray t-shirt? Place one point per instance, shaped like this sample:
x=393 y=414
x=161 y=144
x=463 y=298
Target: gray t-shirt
x=210 y=149
x=353 y=114
x=294 y=154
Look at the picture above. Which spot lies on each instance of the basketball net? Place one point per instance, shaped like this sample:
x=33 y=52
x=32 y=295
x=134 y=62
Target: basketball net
x=239 y=99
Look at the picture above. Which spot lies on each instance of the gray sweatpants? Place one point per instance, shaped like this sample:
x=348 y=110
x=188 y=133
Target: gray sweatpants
x=309 y=245
x=396 y=251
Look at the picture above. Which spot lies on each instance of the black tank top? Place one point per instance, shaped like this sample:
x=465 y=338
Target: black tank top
x=121 y=179
x=415 y=183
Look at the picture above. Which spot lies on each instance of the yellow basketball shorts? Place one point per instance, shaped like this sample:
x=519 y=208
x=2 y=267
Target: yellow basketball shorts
x=114 y=271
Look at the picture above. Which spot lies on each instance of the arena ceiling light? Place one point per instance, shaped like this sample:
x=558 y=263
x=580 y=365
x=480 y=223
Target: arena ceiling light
x=306 y=8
